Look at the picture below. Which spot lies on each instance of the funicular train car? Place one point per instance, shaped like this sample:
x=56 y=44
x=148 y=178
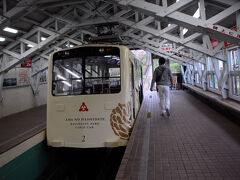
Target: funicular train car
x=94 y=95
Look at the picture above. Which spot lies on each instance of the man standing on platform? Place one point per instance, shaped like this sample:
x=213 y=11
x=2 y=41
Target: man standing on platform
x=161 y=77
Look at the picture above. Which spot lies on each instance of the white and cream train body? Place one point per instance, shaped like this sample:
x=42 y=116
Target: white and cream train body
x=94 y=95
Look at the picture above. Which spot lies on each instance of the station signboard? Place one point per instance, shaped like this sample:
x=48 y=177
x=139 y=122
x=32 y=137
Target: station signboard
x=27 y=63
x=166 y=47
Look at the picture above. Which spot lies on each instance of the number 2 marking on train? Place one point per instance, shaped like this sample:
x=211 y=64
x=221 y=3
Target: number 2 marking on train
x=83 y=138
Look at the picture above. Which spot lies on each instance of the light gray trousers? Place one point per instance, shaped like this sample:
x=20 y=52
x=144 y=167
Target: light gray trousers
x=164 y=96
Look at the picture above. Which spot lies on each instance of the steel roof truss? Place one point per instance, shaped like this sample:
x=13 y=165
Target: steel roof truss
x=187 y=20
x=34 y=83
x=34 y=49
x=185 y=42
x=43 y=63
x=163 y=53
x=183 y=74
x=193 y=55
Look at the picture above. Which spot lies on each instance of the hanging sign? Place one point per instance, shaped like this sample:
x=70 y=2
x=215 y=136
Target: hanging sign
x=215 y=42
x=232 y=32
x=226 y=44
x=166 y=47
x=27 y=63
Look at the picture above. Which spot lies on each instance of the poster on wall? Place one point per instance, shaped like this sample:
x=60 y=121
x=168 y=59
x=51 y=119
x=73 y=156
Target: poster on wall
x=10 y=78
x=43 y=76
x=16 y=77
x=22 y=77
x=9 y=82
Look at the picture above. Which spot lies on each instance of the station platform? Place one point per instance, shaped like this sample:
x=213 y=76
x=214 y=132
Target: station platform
x=195 y=142
x=19 y=127
x=229 y=107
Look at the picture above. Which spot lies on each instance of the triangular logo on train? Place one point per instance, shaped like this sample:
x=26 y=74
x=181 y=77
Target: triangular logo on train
x=83 y=107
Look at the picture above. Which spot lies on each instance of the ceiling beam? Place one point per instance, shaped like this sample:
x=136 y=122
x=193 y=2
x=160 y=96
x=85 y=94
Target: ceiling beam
x=168 y=37
x=185 y=20
x=43 y=64
x=181 y=54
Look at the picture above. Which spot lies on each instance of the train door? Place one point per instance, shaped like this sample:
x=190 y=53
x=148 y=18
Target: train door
x=132 y=90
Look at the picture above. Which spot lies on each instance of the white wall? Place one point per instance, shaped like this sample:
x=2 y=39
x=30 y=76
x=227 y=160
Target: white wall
x=20 y=99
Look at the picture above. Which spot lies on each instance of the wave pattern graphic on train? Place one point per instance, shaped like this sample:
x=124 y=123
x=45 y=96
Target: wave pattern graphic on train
x=94 y=94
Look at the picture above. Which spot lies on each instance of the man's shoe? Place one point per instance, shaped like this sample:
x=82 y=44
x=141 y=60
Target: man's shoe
x=168 y=113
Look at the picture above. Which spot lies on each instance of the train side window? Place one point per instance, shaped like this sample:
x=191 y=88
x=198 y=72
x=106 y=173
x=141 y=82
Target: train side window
x=132 y=90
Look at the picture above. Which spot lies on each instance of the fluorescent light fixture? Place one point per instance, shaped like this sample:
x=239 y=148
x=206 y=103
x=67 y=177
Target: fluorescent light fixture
x=108 y=56
x=60 y=77
x=43 y=38
x=69 y=45
x=2 y=39
x=30 y=45
x=68 y=84
x=197 y=14
x=72 y=73
x=11 y=30
x=185 y=30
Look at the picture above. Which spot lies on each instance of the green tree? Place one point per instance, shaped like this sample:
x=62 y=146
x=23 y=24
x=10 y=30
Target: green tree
x=175 y=67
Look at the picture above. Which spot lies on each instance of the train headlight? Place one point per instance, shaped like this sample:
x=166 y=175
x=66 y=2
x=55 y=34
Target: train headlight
x=101 y=50
x=66 y=53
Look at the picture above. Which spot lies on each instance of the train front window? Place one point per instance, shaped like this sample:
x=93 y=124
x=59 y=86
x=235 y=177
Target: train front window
x=102 y=74
x=86 y=70
x=67 y=76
